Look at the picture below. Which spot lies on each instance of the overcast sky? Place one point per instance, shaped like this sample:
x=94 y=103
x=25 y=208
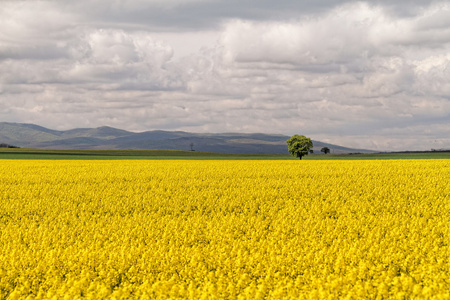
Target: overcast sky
x=372 y=74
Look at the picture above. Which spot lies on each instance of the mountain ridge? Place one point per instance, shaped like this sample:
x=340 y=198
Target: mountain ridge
x=27 y=135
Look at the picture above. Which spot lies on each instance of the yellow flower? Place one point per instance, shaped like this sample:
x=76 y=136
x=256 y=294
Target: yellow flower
x=224 y=229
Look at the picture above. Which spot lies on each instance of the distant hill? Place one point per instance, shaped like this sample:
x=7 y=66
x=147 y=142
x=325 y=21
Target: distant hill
x=34 y=136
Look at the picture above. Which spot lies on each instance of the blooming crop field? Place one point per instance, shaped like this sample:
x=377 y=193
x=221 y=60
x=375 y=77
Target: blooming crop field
x=224 y=229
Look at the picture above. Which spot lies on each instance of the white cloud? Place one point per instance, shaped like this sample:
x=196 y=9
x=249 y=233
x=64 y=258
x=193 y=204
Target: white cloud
x=336 y=37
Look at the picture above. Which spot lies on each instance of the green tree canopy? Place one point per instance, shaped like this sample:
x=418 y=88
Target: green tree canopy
x=299 y=145
x=325 y=150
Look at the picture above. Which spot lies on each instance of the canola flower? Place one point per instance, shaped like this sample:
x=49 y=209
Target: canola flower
x=225 y=229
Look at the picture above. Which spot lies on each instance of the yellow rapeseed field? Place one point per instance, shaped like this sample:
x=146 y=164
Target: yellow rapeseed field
x=225 y=229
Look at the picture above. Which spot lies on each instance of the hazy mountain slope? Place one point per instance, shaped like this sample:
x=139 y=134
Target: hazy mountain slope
x=104 y=133
x=34 y=136
x=207 y=144
x=70 y=143
x=25 y=134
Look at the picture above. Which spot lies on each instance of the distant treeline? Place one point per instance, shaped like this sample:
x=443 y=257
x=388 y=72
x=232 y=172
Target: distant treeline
x=426 y=151
x=3 y=145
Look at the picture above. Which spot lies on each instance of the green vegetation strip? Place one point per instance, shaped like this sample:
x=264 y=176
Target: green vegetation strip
x=12 y=153
x=9 y=153
x=374 y=156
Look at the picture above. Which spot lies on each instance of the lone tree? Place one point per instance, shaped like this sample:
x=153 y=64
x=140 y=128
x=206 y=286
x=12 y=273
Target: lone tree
x=299 y=145
x=325 y=150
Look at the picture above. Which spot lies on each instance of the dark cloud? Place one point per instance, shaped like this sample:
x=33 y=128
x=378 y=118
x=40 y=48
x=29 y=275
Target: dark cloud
x=205 y=14
x=193 y=15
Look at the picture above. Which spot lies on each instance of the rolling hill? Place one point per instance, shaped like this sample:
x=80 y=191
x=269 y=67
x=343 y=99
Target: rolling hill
x=34 y=136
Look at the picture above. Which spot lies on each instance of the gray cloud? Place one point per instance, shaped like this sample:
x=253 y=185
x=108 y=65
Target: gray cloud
x=352 y=73
x=176 y=15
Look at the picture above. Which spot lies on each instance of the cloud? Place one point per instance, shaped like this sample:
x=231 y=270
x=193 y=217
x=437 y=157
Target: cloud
x=352 y=73
x=127 y=60
x=33 y=29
